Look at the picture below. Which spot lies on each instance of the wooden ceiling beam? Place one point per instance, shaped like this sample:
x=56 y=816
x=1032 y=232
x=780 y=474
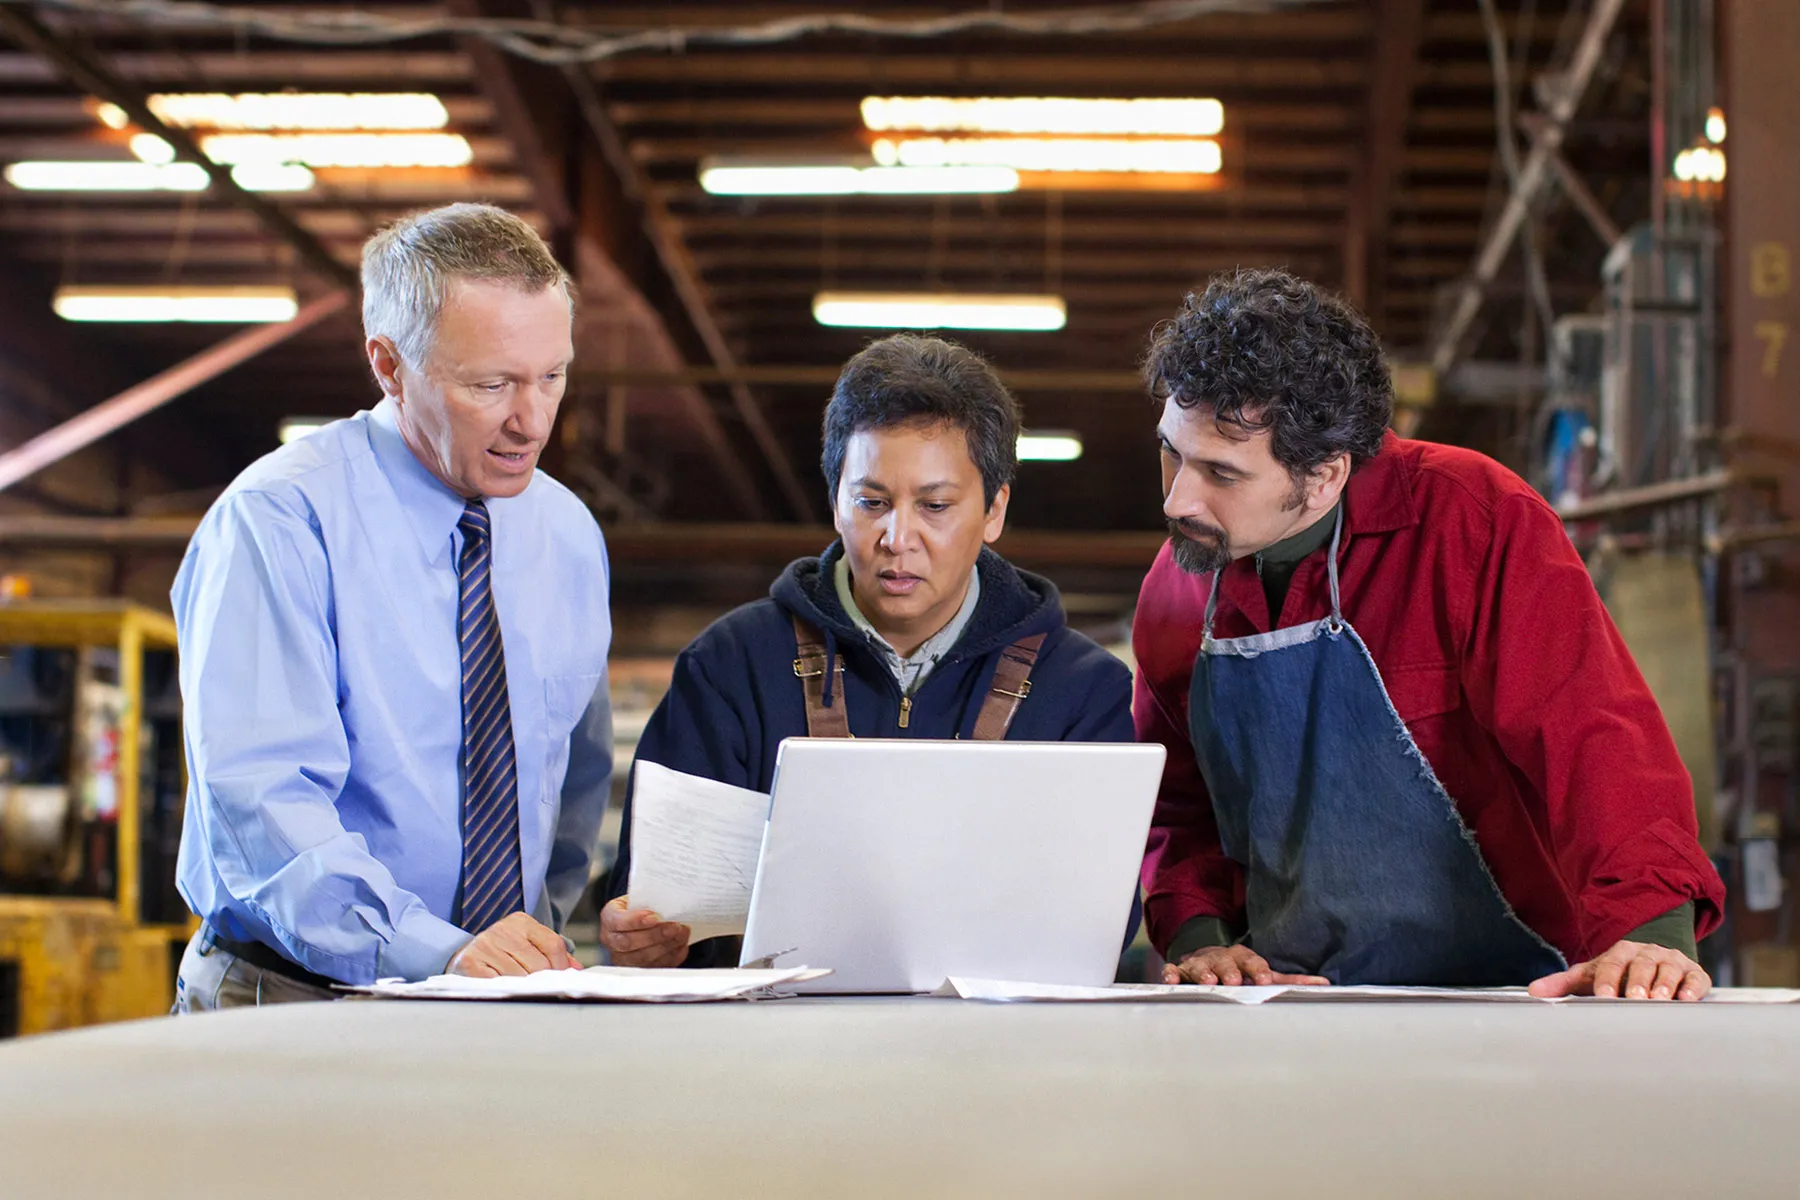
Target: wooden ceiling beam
x=1334 y=24
x=1093 y=292
x=103 y=219
x=1245 y=201
x=744 y=269
x=1120 y=69
x=1126 y=69
x=276 y=68
x=1393 y=66
x=884 y=222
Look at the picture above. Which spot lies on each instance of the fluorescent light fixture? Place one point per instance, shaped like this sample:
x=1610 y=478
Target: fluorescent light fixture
x=218 y=305
x=1045 y=445
x=151 y=149
x=292 y=429
x=107 y=177
x=291 y=110
x=340 y=149
x=1044 y=114
x=149 y=177
x=727 y=178
x=272 y=177
x=938 y=310
x=937 y=181
x=1188 y=156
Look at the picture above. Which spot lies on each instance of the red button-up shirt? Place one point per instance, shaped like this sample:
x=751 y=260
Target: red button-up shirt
x=1506 y=669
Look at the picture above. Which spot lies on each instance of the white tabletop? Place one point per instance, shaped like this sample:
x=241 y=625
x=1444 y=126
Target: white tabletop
x=898 y=1097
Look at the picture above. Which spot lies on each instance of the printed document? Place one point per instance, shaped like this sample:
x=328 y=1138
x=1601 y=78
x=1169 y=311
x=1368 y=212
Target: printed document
x=1009 y=992
x=694 y=847
x=671 y=986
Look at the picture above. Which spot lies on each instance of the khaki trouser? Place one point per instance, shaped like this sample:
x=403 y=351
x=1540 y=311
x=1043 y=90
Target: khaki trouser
x=212 y=979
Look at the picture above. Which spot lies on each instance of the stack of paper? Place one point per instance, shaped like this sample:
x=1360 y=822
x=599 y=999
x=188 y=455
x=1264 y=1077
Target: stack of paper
x=599 y=984
x=1003 y=991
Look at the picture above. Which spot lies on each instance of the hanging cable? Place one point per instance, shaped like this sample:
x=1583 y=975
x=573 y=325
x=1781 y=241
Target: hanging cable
x=555 y=43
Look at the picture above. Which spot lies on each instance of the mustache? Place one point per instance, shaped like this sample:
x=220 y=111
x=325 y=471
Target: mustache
x=1195 y=531
x=1200 y=549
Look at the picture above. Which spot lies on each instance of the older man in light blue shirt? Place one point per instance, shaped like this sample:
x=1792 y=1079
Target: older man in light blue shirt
x=393 y=653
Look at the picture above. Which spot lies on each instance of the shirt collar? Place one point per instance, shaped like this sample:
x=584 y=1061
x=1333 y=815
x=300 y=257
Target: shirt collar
x=935 y=646
x=1379 y=497
x=432 y=508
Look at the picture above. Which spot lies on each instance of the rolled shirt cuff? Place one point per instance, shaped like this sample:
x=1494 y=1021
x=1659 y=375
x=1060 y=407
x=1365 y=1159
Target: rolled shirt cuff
x=1198 y=934
x=1674 y=930
x=422 y=946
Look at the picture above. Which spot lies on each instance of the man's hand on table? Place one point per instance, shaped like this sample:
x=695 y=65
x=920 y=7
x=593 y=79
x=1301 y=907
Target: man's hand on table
x=515 y=945
x=637 y=937
x=1634 y=970
x=1233 y=966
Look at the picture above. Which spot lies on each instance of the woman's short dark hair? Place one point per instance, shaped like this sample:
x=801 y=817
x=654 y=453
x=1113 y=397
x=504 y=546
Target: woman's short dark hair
x=909 y=378
x=1261 y=349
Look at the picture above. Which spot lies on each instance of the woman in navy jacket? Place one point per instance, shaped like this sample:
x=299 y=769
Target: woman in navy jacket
x=908 y=626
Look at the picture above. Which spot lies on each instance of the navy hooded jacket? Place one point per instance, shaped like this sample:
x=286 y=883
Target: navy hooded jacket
x=734 y=696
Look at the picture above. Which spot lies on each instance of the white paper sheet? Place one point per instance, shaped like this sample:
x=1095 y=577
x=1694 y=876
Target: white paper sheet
x=694 y=847
x=1003 y=991
x=598 y=984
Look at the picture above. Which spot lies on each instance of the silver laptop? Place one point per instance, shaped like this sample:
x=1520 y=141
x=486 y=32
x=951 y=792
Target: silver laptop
x=900 y=863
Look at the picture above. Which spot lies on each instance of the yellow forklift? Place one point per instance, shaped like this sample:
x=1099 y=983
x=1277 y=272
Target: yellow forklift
x=92 y=787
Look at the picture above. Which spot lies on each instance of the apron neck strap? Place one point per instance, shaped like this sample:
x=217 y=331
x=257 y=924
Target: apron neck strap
x=1331 y=575
x=1331 y=568
x=1212 y=607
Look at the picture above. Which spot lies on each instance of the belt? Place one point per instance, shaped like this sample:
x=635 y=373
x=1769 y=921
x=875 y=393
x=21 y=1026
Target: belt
x=259 y=955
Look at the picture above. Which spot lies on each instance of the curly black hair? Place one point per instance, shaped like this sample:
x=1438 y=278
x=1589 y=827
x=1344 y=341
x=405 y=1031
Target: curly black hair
x=1263 y=349
x=909 y=377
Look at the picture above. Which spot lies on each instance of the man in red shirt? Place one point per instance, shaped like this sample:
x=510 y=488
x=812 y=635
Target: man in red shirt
x=1406 y=743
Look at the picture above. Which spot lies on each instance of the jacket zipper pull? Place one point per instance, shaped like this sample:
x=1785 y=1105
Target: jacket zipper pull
x=905 y=711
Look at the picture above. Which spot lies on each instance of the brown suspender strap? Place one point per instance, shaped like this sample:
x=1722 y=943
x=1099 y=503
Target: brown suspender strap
x=809 y=667
x=1012 y=683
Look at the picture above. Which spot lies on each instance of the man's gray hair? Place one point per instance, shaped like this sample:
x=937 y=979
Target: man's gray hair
x=408 y=269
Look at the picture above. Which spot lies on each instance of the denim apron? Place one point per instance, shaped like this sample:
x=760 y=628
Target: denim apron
x=1358 y=866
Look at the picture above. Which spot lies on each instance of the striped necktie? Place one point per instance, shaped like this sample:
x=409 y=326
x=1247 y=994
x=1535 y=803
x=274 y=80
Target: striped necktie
x=492 y=878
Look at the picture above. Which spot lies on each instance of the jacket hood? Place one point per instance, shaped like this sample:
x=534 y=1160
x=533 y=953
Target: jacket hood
x=1014 y=604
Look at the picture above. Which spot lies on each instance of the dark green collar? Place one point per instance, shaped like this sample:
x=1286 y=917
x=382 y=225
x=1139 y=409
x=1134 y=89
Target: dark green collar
x=1291 y=549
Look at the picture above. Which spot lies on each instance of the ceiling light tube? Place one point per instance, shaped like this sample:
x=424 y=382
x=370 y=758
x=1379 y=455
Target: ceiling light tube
x=1189 y=156
x=272 y=177
x=726 y=177
x=150 y=177
x=340 y=149
x=291 y=110
x=213 y=305
x=1043 y=445
x=939 y=310
x=1044 y=114
x=107 y=177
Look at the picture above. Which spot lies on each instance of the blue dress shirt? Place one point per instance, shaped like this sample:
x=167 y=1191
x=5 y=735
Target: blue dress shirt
x=321 y=683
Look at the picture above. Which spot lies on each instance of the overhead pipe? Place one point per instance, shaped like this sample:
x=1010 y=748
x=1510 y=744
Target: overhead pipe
x=86 y=428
